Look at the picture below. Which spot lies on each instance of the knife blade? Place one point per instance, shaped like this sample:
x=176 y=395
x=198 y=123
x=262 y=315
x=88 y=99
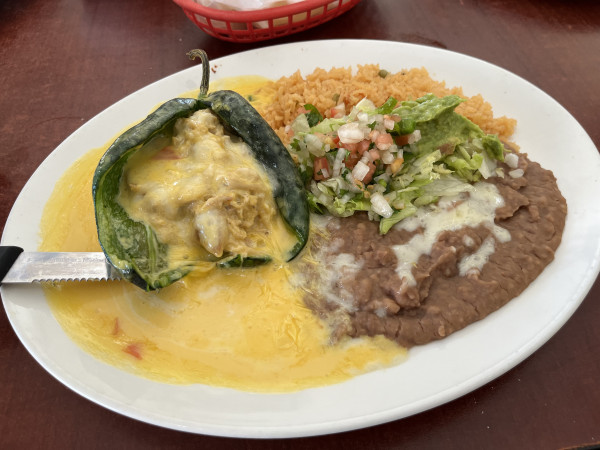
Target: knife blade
x=17 y=266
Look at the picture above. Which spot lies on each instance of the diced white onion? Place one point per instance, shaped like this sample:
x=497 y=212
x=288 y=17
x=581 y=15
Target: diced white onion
x=387 y=157
x=517 y=173
x=488 y=166
x=350 y=133
x=511 y=160
x=380 y=205
x=360 y=171
x=388 y=124
x=338 y=162
x=415 y=136
x=352 y=186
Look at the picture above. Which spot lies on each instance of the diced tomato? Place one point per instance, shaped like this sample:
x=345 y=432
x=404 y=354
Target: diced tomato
x=348 y=146
x=375 y=155
x=356 y=151
x=369 y=176
x=363 y=146
x=321 y=169
x=384 y=141
x=401 y=140
x=134 y=350
x=351 y=160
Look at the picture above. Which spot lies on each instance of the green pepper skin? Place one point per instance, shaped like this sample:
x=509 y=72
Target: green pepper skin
x=243 y=261
x=132 y=247
x=238 y=115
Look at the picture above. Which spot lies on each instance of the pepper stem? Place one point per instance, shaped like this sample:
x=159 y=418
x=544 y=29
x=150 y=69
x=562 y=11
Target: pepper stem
x=193 y=54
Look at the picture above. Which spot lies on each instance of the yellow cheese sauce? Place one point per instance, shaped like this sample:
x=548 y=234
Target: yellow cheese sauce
x=202 y=190
x=246 y=329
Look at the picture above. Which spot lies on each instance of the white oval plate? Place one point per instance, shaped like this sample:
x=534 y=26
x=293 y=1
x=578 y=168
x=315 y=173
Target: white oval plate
x=433 y=374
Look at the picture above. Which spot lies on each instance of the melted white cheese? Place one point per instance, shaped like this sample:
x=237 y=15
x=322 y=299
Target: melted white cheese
x=472 y=209
x=340 y=266
x=474 y=262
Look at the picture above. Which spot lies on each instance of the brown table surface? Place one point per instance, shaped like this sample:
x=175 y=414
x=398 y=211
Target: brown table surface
x=64 y=61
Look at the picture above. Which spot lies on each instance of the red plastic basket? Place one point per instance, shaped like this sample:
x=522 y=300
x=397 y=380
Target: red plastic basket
x=260 y=25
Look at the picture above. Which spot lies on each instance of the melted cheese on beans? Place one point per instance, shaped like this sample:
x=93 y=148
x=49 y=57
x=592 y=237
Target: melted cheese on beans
x=472 y=209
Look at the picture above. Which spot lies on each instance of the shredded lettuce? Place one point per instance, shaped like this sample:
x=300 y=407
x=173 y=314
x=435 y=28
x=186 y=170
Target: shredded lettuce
x=448 y=185
x=327 y=126
x=427 y=108
x=386 y=224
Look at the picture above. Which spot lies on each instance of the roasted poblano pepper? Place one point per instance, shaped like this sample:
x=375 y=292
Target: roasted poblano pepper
x=132 y=247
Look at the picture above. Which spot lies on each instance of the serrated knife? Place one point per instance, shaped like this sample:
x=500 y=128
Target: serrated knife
x=17 y=266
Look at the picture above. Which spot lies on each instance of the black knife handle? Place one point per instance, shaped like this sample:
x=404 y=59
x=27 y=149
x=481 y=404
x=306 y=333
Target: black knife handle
x=8 y=256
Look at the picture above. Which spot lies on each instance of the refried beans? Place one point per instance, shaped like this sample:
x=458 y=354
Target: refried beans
x=414 y=285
